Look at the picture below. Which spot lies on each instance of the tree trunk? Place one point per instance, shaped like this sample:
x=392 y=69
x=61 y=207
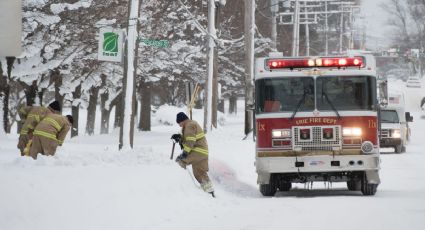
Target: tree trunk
x=118 y=111
x=145 y=108
x=104 y=96
x=233 y=104
x=3 y=84
x=40 y=95
x=91 y=110
x=76 y=95
x=6 y=123
x=221 y=105
x=30 y=92
x=57 y=79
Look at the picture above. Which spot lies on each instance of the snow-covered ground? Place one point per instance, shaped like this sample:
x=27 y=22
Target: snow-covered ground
x=91 y=185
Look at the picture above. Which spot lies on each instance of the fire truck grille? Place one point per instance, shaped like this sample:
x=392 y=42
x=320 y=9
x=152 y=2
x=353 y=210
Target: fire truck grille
x=316 y=139
x=385 y=133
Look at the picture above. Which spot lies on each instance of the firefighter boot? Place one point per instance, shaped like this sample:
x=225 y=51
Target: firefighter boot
x=208 y=187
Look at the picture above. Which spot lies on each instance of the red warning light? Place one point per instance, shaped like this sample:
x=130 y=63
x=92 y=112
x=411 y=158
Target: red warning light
x=317 y=62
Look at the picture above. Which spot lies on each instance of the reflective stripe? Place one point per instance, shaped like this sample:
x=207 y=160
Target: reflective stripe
x=30 y=127
x=187 y=148
x=53 y=122
x=200 y=135
x=196 y=149
x=197 y=137
x=190 y=138
x=37 y=117
x=45 y=134
x=24 y=132
x=201 y=150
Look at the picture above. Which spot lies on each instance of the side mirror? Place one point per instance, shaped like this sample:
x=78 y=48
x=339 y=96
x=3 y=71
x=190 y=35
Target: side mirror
x=408 y=117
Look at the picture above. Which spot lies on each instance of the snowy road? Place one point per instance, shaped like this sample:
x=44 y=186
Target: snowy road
x=90 y=185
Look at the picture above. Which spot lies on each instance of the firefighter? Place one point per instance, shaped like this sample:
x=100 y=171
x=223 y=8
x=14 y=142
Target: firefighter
x=31 y=116
x=50 y=133
x=195 y=151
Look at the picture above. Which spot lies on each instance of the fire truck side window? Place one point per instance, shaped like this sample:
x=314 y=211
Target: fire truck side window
x=284 y=94
x=345 y=93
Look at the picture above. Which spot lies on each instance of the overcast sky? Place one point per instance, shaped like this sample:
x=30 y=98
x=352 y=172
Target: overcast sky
x=376 y=23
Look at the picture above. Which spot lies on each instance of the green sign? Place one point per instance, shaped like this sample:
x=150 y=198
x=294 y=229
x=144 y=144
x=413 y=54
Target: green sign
x=156 y=43
x=110 y=44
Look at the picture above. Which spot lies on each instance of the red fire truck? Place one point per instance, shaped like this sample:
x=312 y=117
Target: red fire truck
x=316 y=120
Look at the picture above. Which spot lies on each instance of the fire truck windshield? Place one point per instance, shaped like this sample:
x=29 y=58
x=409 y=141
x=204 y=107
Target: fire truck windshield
x=285 y=94
x=331 y=93
x=346 y=93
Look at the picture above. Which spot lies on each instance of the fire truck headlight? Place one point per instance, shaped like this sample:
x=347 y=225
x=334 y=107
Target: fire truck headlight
x=280 y=133
x=352 y=132
x=367 y=147
x=395 y=133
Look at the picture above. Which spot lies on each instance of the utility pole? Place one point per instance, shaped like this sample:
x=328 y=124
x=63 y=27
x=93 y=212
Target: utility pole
x=215 y=70
x=210 y=67
x=249 y=62
x=341 y=28
x=326 y=29
x=127 y=118
x=314 y=8
x=352 y=29
x=296 y=30
x=274 y=8
x=307 y=32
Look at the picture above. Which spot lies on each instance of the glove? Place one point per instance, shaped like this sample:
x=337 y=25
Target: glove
x=176 y=137
x=182 y=156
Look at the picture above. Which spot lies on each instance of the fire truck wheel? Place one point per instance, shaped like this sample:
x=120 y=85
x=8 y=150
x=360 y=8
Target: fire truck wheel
x=367 y=188
x=285 y=186
x=400 y=148
x=268 y=189
x=354 y=185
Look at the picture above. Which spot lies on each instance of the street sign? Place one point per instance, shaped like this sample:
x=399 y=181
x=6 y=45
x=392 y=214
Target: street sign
x=110 y=44
x=156 y=43
x=10 y=28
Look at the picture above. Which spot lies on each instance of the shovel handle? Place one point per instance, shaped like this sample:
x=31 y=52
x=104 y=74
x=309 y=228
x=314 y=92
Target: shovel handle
x=172 y=151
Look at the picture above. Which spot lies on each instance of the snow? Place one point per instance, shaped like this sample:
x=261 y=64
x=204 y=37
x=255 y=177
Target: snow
x=89 y=184
x=61 y=7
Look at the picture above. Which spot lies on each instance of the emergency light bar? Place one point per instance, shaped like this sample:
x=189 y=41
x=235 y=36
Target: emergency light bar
x=314 y=62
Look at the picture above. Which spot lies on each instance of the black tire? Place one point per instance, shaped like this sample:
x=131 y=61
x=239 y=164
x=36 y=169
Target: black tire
x=285 y=186
x=398 y=148
x=354 y=185
x=403 y=149
x=368 y=189
x=268 y=189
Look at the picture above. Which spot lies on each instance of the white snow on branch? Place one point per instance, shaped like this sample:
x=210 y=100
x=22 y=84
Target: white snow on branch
x=60 y=7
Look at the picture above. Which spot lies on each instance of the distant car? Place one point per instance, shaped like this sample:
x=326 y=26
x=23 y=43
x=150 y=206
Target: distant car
x=394 y=120
x=413 y=82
